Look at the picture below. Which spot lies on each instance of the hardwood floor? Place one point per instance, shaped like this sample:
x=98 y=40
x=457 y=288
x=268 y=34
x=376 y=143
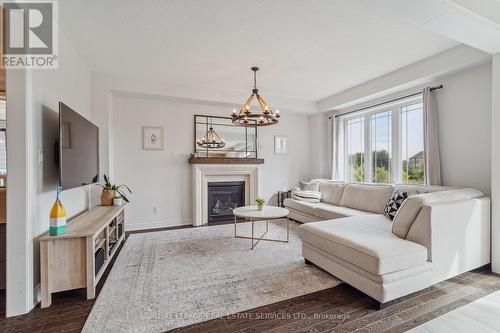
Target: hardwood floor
x=344 y=309
x=339 y=309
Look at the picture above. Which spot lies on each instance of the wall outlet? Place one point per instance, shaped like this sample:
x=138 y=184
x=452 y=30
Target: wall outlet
x=156 y=210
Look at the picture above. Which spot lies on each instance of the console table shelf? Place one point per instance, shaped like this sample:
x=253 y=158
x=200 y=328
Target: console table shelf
x=78 y=258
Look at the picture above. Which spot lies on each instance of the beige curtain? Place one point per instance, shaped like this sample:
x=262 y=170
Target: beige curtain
x=432 y=164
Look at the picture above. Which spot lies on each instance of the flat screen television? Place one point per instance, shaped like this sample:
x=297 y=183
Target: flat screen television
x=78 y=149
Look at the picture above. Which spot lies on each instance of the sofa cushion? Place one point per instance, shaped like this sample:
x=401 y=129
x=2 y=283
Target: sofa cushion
x=309 y=186
x=365 y=241
x=331 y=192
x=371 y=198
x=384 y=278
x=330 y=212
x=411 y=207
x=302 y=206
x=413 y=189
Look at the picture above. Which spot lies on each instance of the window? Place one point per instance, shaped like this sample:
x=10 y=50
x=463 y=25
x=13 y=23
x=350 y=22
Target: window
x=383 y=144
x=380 y=127
x=355 y=149
x=412 y=143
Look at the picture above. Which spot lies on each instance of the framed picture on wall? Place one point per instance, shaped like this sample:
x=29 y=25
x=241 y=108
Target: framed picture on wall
x=281 y=145
x=152 y=138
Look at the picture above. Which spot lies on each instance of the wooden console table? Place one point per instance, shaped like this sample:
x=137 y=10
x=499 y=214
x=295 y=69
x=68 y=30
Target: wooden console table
x=78 y=258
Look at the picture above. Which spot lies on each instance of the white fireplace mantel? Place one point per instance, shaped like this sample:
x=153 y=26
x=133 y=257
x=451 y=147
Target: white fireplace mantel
x=203 y=173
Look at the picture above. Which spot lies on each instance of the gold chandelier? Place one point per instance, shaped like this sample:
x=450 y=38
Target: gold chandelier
x=265 y=117
x=211 y=139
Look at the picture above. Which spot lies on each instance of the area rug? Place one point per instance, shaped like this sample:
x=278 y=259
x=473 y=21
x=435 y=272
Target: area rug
x=169 y=279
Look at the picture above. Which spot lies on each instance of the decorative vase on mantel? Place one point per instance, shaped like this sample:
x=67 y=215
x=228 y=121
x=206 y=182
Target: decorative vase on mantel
x=107 y=197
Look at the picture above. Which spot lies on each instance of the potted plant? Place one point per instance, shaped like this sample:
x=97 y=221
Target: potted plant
x=260 y=203
x=118 y=201
x=111 y=191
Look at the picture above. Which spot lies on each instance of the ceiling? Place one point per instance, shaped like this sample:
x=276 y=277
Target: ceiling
x=306 y=49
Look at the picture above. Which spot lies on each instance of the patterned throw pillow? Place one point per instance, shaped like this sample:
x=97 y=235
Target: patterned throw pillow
x=392 y=206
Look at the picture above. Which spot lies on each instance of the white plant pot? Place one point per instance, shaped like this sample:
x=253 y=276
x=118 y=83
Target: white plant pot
x=118 y=202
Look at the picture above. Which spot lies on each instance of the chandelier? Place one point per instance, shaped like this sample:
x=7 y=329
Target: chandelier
x=211 y=139
x=265 y=117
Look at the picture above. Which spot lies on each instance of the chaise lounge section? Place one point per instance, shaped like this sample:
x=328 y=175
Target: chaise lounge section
x=437 y=234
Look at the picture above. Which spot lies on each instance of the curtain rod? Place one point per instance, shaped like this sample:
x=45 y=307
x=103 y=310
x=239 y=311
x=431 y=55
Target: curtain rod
x=382 y=103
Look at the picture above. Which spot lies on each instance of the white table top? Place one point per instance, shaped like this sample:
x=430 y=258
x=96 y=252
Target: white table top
x=269 y=212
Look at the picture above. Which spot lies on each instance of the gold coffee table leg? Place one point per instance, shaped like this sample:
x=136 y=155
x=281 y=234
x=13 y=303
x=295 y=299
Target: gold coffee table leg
x=255 y=240
x=287 y=229
x=253 y=224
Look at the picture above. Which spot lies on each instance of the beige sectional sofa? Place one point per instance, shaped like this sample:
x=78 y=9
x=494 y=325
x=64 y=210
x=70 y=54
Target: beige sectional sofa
x=435 y=235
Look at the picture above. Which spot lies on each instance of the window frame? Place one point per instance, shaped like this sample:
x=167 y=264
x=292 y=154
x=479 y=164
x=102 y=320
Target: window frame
x=396 y=165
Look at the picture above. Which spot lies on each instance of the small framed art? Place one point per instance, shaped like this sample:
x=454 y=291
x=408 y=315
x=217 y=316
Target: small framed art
x=152 y=138
x=280 y=145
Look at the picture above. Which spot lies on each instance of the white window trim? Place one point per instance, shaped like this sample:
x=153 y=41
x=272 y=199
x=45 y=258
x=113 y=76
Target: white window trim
x=396 y=153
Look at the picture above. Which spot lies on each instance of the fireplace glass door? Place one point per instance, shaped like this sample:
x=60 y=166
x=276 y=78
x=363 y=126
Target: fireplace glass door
x=223 y=197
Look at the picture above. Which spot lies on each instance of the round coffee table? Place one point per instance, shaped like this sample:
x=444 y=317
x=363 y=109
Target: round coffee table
x=267 y=213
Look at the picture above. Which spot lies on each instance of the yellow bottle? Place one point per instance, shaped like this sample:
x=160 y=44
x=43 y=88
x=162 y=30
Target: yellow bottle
x=57 y=218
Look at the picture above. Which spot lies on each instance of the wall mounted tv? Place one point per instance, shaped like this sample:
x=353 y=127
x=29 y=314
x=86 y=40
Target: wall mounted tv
x=78 y=149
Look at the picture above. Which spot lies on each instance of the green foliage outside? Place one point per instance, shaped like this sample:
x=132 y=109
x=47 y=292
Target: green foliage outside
x=412 y=175
x=382 y=161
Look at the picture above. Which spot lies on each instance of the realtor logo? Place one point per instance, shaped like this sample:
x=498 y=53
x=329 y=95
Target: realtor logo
x=29 y=36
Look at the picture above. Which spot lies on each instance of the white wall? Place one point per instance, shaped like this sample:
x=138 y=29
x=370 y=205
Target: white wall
x=495 y=156
x=464 y=106
x=164 y=178
x=422 y=72
x=45 y=88
x=320 y=139
x=464 y=128
x=104 y=85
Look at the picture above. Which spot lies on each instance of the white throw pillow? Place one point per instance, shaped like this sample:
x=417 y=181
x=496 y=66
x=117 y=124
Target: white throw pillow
x=309 y=186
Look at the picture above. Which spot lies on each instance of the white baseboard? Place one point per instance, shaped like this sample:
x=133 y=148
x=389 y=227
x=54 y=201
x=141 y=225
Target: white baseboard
x=157 y=224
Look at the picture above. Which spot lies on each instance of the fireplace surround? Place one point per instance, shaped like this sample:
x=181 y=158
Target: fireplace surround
x=206 y=173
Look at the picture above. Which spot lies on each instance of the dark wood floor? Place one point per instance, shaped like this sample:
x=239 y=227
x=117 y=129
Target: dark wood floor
x=339 y=309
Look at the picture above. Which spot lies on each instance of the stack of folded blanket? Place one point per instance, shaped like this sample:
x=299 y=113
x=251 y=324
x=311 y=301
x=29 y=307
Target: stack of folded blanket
x=306 y=195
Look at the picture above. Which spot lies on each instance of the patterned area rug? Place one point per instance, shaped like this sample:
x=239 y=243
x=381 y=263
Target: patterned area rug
x=168 y=279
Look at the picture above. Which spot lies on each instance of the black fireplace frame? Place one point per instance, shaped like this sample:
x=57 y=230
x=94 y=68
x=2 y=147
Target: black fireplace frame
x=226 y=215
